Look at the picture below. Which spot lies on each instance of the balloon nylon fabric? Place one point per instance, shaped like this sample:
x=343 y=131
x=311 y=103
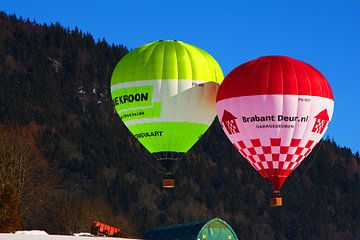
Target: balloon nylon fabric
x=275 y=110
x=165 y=94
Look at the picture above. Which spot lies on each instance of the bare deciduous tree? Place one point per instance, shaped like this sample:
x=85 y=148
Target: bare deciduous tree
x=9 y=208
x=15 y=159
x=19 y=168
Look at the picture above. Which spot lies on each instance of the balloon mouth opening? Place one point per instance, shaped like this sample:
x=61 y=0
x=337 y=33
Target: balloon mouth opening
x=276 y=180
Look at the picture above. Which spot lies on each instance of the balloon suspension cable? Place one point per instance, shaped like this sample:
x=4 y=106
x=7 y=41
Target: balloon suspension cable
x=168 y=162
x=307 y=169
x=146 y=160
x=171 y=157
x=276 y=193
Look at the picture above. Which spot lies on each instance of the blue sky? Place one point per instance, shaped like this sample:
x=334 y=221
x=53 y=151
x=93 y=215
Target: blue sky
x=325 y=34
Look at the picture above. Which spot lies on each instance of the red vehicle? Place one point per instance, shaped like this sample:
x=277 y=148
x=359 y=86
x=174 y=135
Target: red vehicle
x=102 y=229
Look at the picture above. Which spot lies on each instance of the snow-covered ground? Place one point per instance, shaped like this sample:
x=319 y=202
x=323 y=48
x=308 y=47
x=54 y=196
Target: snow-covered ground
x=41 y=235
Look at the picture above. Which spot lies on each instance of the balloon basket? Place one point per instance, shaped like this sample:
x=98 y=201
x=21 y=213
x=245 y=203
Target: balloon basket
x=276 y=200
x=168 y=183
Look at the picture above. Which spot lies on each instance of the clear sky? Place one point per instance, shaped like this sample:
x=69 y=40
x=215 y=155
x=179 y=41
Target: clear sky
x=325 y=34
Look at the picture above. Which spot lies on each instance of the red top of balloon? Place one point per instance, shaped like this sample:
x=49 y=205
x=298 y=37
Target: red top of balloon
x=274 y=75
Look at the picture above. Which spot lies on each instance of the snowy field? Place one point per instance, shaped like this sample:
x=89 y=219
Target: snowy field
x=41 y=235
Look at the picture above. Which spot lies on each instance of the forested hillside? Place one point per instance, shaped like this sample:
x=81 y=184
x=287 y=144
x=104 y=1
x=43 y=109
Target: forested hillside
x=66 y=159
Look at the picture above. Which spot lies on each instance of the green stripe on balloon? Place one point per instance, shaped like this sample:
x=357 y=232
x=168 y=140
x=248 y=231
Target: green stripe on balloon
x=168 y=136
x=132 y=97
x=135 y=114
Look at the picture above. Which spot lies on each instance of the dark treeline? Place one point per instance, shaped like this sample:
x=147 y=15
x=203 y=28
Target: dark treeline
x=66 y=159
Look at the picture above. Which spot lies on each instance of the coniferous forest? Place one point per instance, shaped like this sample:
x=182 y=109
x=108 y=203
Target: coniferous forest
x=66 y=159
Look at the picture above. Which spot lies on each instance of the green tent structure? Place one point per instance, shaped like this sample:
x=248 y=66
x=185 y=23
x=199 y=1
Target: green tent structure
x=213 y=229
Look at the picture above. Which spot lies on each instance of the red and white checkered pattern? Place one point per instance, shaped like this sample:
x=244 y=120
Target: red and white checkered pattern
x=231 y=127
x=274 y=160
x=319 y=126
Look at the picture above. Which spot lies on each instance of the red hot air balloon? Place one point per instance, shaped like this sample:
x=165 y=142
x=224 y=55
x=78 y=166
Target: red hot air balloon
x=274 y=110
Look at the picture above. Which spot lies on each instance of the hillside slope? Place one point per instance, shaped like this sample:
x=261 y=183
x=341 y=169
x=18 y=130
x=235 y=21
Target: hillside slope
x=79 y=163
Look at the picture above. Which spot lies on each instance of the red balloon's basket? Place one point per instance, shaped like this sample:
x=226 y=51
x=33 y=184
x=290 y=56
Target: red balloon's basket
x=276 y=200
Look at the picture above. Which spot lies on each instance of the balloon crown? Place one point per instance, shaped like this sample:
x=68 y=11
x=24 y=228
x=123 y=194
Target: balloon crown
x=171 y=40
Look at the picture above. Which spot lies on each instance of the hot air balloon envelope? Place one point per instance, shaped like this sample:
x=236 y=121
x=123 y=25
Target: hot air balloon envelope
x=165 y=93
x=274 y=110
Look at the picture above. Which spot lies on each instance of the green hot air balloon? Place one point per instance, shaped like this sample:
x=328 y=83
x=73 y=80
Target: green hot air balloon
x=165 y=93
